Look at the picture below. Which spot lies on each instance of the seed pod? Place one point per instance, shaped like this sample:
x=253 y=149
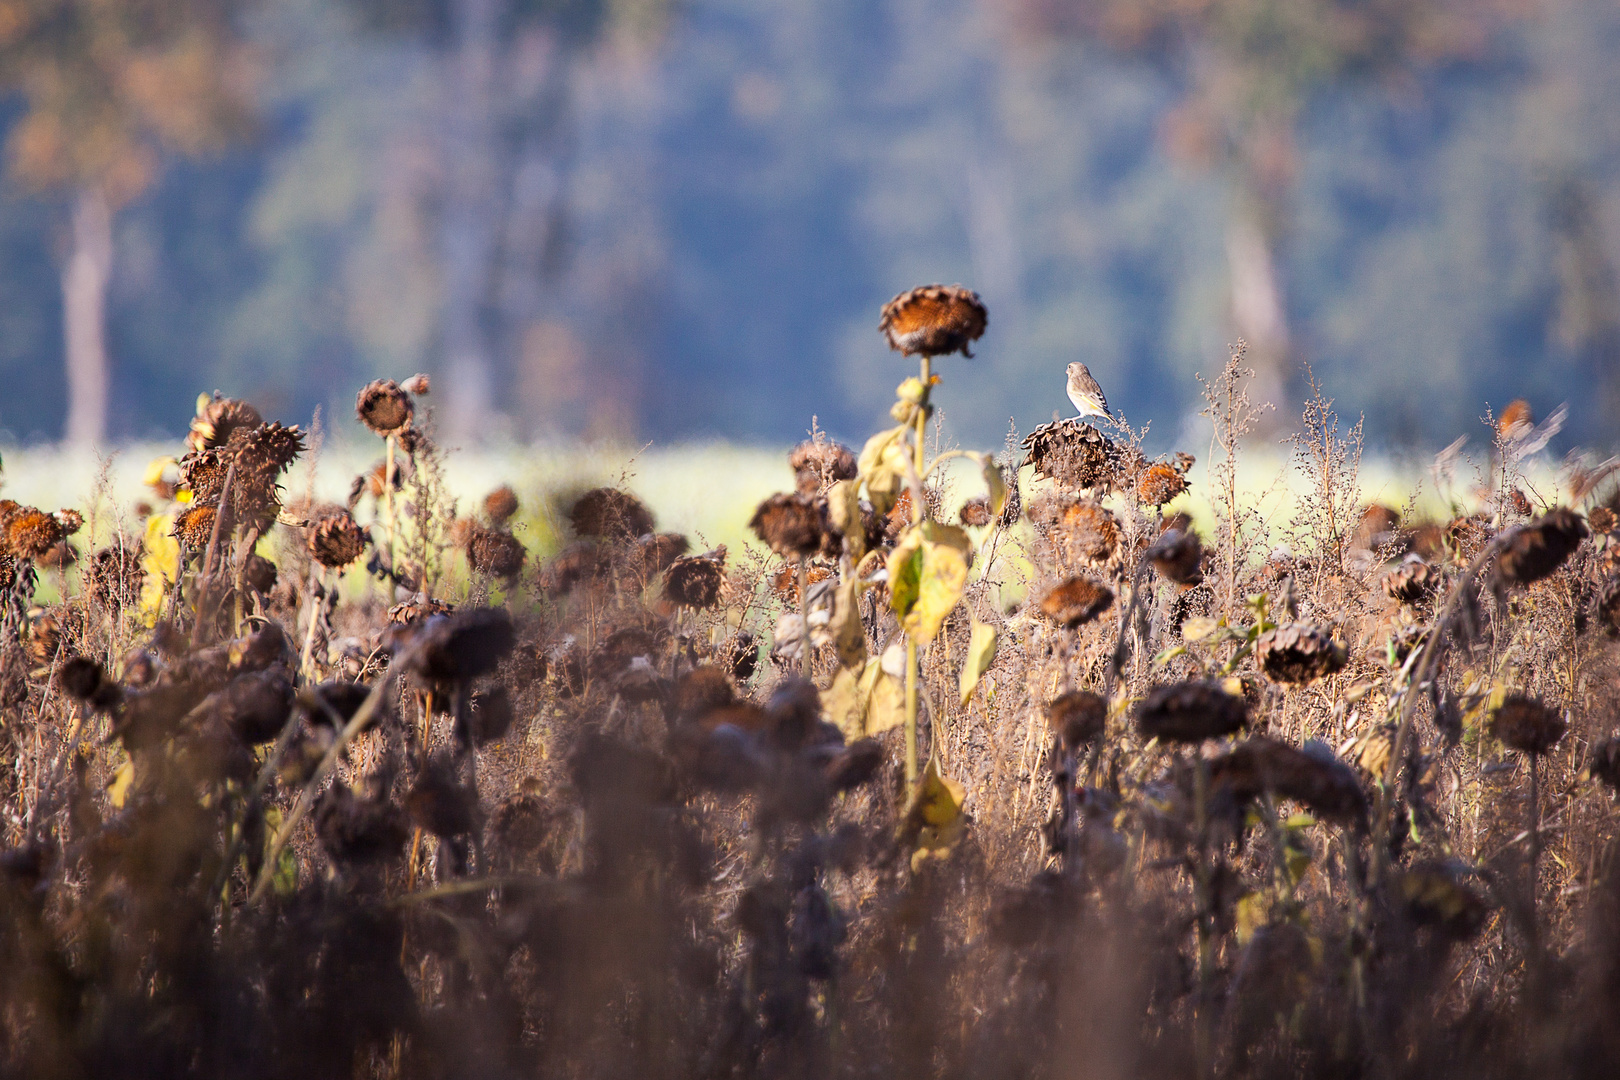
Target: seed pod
x=1076 y=601
x=1299 y=653
x=818 y=463
x=791 y=525
x=1178 y=557
x=336 y=540
x=1527 y=725
x=500 y=504
x=934 y=320
x=384 y=407
x=1158 y=484
x=1190 y=712
x=1537 y=548
x=1413 y=581
x=609 y=513
x=695 y=582
x=1076 y=718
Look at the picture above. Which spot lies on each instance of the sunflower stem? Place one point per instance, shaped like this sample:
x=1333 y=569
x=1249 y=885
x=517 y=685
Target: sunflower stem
x=804 y=619
x=919 y=457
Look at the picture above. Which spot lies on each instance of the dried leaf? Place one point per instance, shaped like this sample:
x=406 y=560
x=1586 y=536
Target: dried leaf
x=882 y=466
x=934 y=821
x=118 y=790
x=1199 y=628
x=927 y=573
x=848 y=635
x=981 y=653
x=844 y=511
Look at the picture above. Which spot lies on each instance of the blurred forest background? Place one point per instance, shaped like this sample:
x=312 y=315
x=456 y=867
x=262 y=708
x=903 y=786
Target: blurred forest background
x=676 y=219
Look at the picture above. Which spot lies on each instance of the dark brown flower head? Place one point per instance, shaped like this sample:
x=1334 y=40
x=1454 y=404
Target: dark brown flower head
x=1076 y=601
x=818 y=463
x=486 y=717
x=1077 y=718
x=384 y=407
x=496 y=552
x=218 y=419
x=1159 y=483
x=501 y=504
x=976 y=512
x=1080 y=532
x=259 y=574
x=336 y=540
x=854 y=765
x=1605 y=762
x=203 y=474
x=934 y=320
x=791 y=525
x=195 y=527
x=33 y=533
x=1313 y=777
x=582 y=563
x=115 y=575
x=659 y=550
x=82 y=678
x=1602 y=519
x=1532 y=551
x=1298 y=653
x=418 y=385
x=695 y=581
x=609 y=513
x=455 y=648
x=1516 y=420
x=356 y=830
x=1178 y=557
x=1077 y=455
x=1413 y=581
x=1527 y=725
x=1190 y=712
x=701 y=690
x=740 y=653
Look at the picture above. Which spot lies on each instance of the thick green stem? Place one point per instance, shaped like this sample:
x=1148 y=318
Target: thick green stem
x=919 y=457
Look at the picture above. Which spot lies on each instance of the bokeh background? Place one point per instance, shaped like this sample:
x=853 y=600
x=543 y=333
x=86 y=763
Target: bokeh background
x=676 y=221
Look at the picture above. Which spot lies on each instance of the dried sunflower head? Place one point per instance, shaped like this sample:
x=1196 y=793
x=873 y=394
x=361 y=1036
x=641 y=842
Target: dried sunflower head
x=115 y=576
x=818 y=463
x=1313 y=777
x=695 y=581
x=1608 y=603
x=1082 y=531
x=658 y=550
x=1178 y=556
x=934 y=320
x=417 y=385
x=582 y=563
x=793 y=526
x=1190 y=712
x=1076 y=601
x=976 y=512
x=1413 y=581
x=785 y=581
x=384 y=407
x=1376 y=526
x=1158 y=484
x=1298 y=653
x=1527 y=725
x=609 y=513
x=740 y=654
x=336 y=540
x=1467 y=536
x=496 y=552
x=1077 y=455
x=501 y=504
x=218 y=418
x=1602 y=519
x=1605 y=762
x=71 y=520
x=1532 y=551
x=32 y=533
x=1076 y=718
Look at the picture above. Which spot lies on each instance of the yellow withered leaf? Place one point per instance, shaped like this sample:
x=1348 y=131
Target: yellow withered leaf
x=1199 y=627
x=995 y=484
x=160 y=558
x=118 y=790
x=981 y=653
x=844 y=511
x=934 y=821
x=882 y=466
x=848 y=635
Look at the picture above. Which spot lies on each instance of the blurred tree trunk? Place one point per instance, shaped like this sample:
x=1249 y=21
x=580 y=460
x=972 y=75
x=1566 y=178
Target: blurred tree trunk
x=84 y=317
x=471 y=216
x=1258 y=313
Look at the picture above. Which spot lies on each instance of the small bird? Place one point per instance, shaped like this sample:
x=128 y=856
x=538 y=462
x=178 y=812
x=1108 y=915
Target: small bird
x=1085 y=393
